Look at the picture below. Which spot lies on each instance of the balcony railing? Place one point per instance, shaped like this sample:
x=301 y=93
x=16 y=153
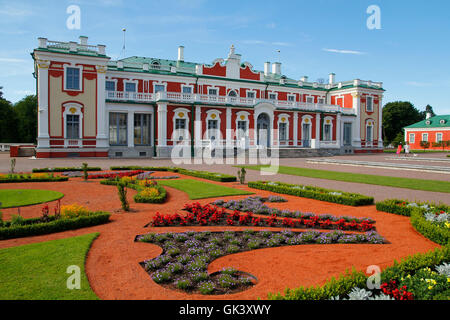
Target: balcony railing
x=221 y=100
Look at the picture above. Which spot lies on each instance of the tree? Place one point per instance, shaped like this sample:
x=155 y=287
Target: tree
x=428 y=109
x=1 y=93
x=425 y=144
x=8 y=128
x=26 y=115
x=396 y=116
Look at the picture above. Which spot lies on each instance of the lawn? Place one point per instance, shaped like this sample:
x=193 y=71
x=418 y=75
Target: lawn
x=38 y=271
x=10 y=198
x=202 y=190
x=407 y=183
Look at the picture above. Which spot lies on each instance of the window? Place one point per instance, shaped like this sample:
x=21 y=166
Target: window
x=130 y=87
x=180 y=124
x=424 y=136
x=369 y=136
x=291 y=98
x=369 y=107
x=242 y=129
x=110 y=86
x=309 y=100
x=251 y=94
x=73 y=79
x=212 y=129
x=118 y=128
x=327 y=132
x=212 y=92
x=142 y=125
x=72 y=126
x=187 y=90
x=412 y=138
x=438 y=137
x=321 y=101
x=272 y=96
x=283 y=131
x=159 y=88
x=232 y=93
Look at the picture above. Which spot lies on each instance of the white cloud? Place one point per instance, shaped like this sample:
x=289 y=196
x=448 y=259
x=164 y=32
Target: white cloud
x=418 y=84
x=344 y=51
x=15 y=11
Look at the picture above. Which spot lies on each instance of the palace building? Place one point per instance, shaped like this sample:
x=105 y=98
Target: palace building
x=92 y=106
x=433 y=130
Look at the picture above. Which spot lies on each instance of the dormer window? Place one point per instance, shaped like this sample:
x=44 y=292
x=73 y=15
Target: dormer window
x=156 y=65
x=428 y=122
x=442 y=121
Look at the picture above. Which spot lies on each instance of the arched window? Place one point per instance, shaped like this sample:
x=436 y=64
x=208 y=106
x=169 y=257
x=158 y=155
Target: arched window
x=232 y=94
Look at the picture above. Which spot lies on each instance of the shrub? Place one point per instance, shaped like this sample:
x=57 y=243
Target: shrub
x=34 y=177
x=122 y=191
x=34 y=227
x=214 y=176
x=206 y=287
x=73 y=211
x=430 y=230
x=65 y=169
x=351 y=199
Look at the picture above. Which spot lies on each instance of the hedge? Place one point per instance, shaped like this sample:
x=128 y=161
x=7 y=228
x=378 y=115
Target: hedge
x=343 y=285
x=214 y=176
x=138 y=198
x=31 y=228
x=428 y=229
x=351 y=199
x=64 y=169
x=24 y=179
x=129 y=168
x=391 y=206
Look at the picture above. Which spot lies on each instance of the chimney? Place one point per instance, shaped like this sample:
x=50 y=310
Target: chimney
x=83 y=40
x=332 y=78
x=304 y=79
x=181 y=53
x=266 y=68
x=429 y=115
x=276 y=68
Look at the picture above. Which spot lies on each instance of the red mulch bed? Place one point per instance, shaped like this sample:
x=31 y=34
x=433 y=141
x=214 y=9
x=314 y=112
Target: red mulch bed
x=113 y=262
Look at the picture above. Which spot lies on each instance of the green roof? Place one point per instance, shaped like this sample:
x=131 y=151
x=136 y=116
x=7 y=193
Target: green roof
x=433 y=122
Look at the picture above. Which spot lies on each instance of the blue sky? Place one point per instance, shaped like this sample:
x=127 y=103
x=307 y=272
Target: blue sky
x=410 y=54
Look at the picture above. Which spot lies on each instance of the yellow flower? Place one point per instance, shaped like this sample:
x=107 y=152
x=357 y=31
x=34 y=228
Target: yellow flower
x=150 y=193
x=430 y=287
x=447 y=225
x=73 y=211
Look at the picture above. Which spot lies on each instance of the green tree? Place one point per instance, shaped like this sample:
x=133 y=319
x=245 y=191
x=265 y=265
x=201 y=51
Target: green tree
x=8 y=129
x=26 y=115
x=397 y=115
x=429 y=109
x=1 y=93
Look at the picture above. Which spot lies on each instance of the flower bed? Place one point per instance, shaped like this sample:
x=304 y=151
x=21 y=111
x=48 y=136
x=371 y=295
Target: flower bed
x=423 y=276
x=68 y=218
x=431 y=220
x=214 y=176
x=148 y=190
x=212 y=215
x=113 y=175
x=346 y=198
x=33 y=177
x=256 y=205
x=65 y=169
x=184 y=262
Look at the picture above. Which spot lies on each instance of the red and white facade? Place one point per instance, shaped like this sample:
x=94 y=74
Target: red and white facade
x=90 y=106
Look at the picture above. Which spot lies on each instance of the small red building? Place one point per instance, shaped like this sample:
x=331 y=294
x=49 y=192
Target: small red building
x=435 y=130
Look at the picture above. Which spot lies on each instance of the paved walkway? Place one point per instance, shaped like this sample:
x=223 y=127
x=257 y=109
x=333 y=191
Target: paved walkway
x=388 y=165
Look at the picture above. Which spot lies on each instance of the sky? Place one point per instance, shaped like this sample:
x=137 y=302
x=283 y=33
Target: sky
x=409 y=53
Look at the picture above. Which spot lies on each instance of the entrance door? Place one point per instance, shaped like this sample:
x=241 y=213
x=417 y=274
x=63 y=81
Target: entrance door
x=263 y=128
x=347 y=134
x=306 y=135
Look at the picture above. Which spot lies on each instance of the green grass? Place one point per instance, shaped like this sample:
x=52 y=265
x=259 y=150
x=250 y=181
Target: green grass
x=202 y=190
x=38 y=271
x=406 y=183
x=10 y=198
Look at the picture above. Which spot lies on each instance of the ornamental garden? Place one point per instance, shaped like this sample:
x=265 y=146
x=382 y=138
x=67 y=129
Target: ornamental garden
x=174 y=233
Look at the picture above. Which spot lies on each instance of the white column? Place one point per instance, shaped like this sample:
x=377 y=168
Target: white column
x=228 y=129
x=295 y=135
x=130 y=123
x=356 y=132
x=315 y=144
x=162 y=124
x=102 y=132
x=43 y=114
x=380 y=122
x=338 y=130
x=198 y=126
